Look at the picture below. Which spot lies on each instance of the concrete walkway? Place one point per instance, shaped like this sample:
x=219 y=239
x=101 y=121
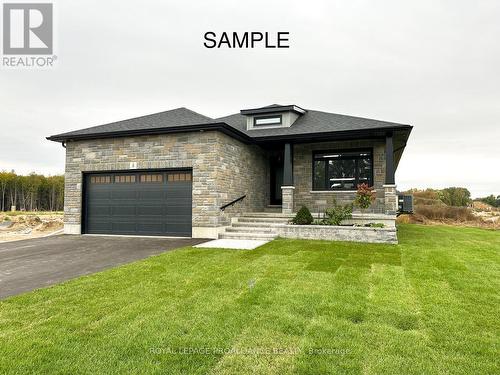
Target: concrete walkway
x=233 y=244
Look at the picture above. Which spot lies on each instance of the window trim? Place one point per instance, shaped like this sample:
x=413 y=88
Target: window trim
x=326 y=189
x=268 y=117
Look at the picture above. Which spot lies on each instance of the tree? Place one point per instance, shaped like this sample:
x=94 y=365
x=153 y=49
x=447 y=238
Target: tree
x=491 y=200
x=455 y=196
x=32 y=192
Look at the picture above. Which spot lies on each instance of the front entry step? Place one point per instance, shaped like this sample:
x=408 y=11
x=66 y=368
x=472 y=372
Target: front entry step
x=249 y=236
x=255 y=226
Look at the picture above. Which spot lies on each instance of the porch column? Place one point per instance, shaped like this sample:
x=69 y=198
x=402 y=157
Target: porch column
x=287 y=188
x=390 y=194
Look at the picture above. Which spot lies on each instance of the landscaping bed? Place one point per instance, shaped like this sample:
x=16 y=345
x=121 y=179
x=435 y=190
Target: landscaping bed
x=340 y=233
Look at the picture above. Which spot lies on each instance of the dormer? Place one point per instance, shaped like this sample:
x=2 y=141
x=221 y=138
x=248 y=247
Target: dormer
x=272 y=117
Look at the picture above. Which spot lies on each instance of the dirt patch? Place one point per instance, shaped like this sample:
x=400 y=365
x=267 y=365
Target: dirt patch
x=18 y=226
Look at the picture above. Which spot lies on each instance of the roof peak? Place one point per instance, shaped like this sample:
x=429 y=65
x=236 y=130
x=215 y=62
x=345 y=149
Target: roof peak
x=273 y=108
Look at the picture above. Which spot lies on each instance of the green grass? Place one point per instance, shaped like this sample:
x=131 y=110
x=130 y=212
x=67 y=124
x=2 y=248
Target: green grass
x=426 y=306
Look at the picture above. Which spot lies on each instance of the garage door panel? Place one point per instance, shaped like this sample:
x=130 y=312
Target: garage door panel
x=103 y=211
x=151 y=195
x=156 y=203
x=124 y=210
x=151 y=228
x=124 y=194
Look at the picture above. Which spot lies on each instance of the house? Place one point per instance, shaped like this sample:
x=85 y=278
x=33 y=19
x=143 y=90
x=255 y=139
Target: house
x=179 y=173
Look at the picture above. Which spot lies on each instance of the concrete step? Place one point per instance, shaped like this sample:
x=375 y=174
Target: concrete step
x=273 y=209
x=258 y=219
x=249 y=236
x=244 y=229
x=266 y=214
x=255 y=225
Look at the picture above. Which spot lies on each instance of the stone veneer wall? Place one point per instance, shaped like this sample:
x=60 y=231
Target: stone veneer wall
x=243 y=171
x=302 y=172
x=339 y=233
x=222 y=167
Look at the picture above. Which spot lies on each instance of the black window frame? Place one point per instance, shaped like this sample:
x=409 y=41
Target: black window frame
x=267 y=117
x=326 y=182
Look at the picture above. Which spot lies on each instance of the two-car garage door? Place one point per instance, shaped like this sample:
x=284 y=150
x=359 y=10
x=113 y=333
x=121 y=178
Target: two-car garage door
x=140 y=203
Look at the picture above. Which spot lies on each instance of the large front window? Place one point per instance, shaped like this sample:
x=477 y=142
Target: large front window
x=342 y=170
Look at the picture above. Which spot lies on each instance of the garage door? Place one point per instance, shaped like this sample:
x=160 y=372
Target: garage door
x=140 y=203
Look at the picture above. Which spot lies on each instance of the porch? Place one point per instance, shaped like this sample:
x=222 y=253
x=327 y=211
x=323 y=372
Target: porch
x=317 y=174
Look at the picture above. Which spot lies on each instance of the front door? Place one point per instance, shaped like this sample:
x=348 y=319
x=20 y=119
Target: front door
x=276 y=169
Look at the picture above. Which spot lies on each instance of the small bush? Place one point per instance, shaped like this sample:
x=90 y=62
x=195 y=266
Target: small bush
x=337 y=213
x=303 y=217
x=364 y=196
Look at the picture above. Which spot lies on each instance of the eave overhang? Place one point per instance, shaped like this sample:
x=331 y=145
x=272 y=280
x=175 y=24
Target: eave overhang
x=219 y=126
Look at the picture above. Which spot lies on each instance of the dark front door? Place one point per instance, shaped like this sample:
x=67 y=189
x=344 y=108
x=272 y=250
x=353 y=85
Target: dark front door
x=140 y=203
x=276 y=169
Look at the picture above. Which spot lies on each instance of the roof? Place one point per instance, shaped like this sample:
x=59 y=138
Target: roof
x=173 y=118
x=273 y=108
x=310 y=124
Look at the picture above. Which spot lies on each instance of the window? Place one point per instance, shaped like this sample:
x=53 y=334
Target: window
x=151 y=178
x=176 y=177
x=342 y=170
x=267 y=120
x=125 y=179
x=100 y=179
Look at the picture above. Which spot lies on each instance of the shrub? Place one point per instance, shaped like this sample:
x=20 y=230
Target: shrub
x=303 y=217
x=364 y=196
x=445 y=212
x=337 y=213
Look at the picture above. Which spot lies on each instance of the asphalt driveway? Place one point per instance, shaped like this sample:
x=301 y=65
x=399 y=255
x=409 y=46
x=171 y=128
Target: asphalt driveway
x=36 y=263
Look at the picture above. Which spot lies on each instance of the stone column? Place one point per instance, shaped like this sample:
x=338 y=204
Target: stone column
x=287 y=188
x=391 y=199
x=287 y=199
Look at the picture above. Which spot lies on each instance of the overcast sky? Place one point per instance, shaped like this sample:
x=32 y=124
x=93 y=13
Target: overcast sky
x=432 y=64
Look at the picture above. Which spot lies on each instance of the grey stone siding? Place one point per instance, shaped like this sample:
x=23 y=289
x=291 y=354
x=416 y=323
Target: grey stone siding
x=302 y=170
x=339 y=233
x=242 y=170
x=222 y=168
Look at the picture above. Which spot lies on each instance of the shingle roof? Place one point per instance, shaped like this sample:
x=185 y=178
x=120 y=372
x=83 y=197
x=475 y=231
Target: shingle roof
x=183 y=119
x=311 y=122
x=173 y=118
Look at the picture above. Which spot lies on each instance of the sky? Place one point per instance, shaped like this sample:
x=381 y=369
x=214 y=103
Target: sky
x=432 y=64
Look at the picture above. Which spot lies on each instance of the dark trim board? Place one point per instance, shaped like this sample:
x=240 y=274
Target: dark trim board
x=153 y=208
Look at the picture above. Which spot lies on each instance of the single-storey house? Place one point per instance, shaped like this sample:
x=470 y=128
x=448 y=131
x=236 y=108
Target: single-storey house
x=180 y=173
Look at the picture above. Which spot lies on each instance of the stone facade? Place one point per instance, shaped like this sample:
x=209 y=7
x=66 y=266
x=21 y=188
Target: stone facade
x=339 y=233
x=315 y=200
x=223 y=169
x=287 y=195
x=391 y=199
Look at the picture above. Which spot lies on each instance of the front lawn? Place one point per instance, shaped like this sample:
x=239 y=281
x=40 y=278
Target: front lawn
x=426 y=306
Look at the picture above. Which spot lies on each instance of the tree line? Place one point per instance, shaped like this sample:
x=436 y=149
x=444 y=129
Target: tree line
x=33 y=192
x=491 y=200
x=451 y=196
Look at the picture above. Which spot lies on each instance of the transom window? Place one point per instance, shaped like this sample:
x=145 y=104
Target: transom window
x=151 y=178
x=175 y=177
x=342 y=170
x=125 y=179
x=100 y=179
x=267 y=120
